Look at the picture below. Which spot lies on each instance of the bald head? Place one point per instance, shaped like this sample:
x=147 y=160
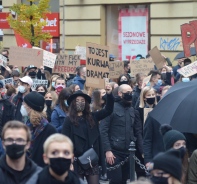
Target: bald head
x=124 y=88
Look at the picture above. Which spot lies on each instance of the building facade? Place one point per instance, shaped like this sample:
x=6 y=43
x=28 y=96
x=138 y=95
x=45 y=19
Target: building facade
x=98 y=21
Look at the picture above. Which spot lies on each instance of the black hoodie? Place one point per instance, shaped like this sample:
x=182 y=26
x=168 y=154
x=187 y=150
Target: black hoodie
x=28 y=175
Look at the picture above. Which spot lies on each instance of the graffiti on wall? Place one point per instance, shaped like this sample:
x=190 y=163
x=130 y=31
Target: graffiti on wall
x=170 y=43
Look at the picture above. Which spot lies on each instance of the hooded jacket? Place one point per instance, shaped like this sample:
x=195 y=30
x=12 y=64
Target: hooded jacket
x=29 y=175
x=79 y=81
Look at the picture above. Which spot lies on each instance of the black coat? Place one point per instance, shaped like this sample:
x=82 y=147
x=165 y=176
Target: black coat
x=17 y=101
x=120 y=128
x=75 y=133
x=28 y=176
x=37 y=150
x=8 y=113
x=136 y=95
x=153 y=140
x=46 y=177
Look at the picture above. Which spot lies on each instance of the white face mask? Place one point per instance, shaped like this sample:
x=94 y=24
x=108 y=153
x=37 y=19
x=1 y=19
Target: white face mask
x=21 y=89
x=23 y=111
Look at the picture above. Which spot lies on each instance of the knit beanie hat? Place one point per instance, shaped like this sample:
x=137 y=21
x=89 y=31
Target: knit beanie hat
x=35 y=101
x=169 y=162
x=170 y=136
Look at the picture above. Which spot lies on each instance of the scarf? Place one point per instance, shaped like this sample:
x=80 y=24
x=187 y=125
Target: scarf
x=35 y=132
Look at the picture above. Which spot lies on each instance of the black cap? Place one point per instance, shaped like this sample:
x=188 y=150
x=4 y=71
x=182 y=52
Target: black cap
x=35 y=101
x=31 y=67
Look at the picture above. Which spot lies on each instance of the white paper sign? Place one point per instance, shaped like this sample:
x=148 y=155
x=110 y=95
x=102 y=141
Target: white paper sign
x=188 y=70
x=8 y=81
x=49 y=59
x=3 y=60
x=37 y=82
x=81 y=51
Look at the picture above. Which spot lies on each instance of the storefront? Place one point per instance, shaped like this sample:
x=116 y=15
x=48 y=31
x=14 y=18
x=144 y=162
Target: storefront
x=129 y=27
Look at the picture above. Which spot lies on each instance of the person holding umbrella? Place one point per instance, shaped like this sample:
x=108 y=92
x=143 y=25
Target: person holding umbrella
x=176 y=140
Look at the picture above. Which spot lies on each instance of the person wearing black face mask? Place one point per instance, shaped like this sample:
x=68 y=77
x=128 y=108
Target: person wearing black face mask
x=58 y=155
x=117 y=131
x=31 y=71
x=41 y=89
x=176 y=140
x=15 y=167
x=123 y=79
x=166 y=168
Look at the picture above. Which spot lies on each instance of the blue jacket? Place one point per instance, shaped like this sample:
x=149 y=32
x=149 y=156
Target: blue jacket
x=57 y=118
x=79 y=81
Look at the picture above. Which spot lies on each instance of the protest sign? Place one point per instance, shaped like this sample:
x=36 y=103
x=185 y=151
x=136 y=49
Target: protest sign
x=116 y=68
x=66 y=64
x=141 y=66
x=97 y=65
x=146 y=80
x=189 y=36
x=3 y=60
x=25 y=56
x=156 y=56
x=8 y=81
x=146 y=112
x=188 y=70
x=81 y=51
x=37 y=82
x=48 y=58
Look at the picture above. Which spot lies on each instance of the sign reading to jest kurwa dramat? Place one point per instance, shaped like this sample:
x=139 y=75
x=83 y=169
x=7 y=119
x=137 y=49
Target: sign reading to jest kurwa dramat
x=66 y=64
x=97 y=65
x=116 y=68
x=141 y=66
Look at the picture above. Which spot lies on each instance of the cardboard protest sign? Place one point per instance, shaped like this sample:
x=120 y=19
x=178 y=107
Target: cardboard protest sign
x=97 y=65
x=188 y=70
x=48 y=58
x=141 y=66
x=37 y=82
x=146 y=112
x=3 y=60
x=8 y=81
x=25 y=56
x=157 y=57
x=66 y=64
x=116 y=68
x=188 y=33
x=81 y=51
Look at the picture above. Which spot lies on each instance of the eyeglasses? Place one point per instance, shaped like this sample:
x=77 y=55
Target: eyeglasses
x=18 y=141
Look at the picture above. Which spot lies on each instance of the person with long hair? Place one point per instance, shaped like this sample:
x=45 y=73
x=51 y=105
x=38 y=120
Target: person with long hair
x=61 y=110
x=52 y=82
x=82 y=127
x=32 y=107
x=50 y=103
x=176 y=140
x=41 y=89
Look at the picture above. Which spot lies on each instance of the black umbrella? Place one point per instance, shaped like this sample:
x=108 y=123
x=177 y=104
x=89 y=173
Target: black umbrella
x=178 y=107
x=182 y=54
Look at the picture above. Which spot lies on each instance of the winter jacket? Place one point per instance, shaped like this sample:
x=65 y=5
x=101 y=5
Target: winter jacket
x=8 y=112
x=36 y=152
x=79 y=81
x=152 y=140
x=120 y=128
x=17 y=101
x=46 y=177
x=192 y=170
x=57 y=118
x=92 y=139
x=136 y=95
x=29 y=175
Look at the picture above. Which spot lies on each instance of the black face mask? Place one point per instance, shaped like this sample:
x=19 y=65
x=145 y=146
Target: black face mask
x=104 y=98
x=182 y=151
x=48 y=103
x=60 y=165
x=159 y=180
x=15 y=151
x=42 y=93
x=127 y=97
x=123 y=82
x=32 y=74
x=150 y=101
